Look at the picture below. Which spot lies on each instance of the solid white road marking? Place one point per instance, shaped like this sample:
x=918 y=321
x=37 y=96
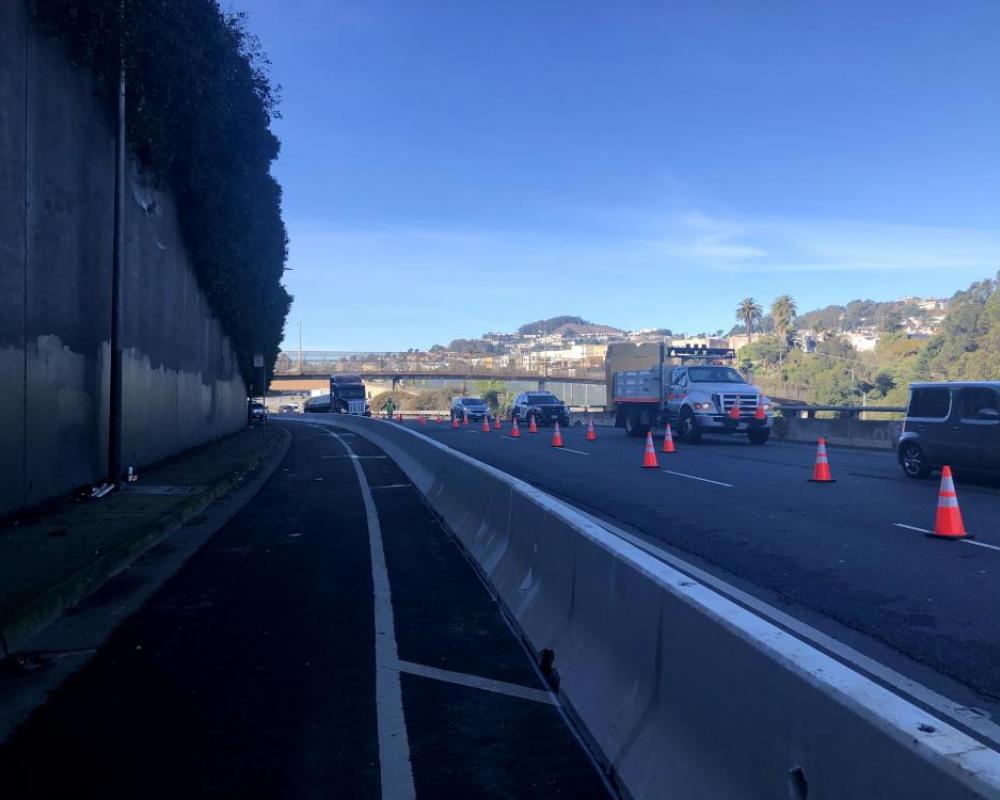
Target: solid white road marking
x=963 y=541
x=979 y=544
x=911 y=527
x=393 y=744
x=476 y=682
x=352 y=456
x=393 y=486
x=696 y=478
x=570 y=450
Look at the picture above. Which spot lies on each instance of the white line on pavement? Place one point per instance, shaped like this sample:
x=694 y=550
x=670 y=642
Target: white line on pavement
x=570 y=450
x=911 y=527
x=393 y=744
x=979 y=544
x=352 y=456
x=696 y=478
x=963 y=541
x=476 y=682
x=393 y=486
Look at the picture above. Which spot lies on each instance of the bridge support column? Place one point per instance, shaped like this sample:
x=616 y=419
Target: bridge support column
x=541 y=384
x=395 y=383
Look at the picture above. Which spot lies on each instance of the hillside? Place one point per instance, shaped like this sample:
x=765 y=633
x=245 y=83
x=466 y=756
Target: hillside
x=563 y=324
x=966 y=346
x=863 y=314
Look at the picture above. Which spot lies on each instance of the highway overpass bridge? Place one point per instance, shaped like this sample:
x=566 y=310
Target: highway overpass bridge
x=291 y=382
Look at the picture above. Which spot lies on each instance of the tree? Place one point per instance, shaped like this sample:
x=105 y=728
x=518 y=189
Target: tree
x=783 y=310
x=749 y=312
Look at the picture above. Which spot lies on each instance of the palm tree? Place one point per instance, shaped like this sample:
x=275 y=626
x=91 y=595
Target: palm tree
x=749 y=312
x=783 y=310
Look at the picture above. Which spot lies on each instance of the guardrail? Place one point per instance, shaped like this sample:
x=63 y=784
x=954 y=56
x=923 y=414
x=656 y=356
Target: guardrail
x=681 y=691
x=809 y=411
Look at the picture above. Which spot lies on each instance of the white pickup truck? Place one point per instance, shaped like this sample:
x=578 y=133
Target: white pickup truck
x=694 y=399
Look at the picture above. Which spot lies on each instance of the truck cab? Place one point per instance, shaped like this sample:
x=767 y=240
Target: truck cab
x=347 y=395
x=711 y=398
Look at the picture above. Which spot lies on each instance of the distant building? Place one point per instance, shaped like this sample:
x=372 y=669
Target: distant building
x=863 y=342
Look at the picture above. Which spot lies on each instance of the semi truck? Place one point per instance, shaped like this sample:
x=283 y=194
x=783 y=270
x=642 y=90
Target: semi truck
x=347 y=396
x=694 y=388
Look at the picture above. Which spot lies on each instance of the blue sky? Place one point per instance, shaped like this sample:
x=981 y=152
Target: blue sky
x=451 y=168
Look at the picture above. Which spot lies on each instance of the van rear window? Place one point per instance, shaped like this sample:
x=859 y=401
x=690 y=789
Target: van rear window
x=930 y=403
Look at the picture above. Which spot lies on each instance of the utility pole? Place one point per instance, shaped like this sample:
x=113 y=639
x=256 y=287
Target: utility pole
x=116 y=387
x=300 y=347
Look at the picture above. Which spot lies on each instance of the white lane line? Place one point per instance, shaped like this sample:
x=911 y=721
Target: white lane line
x=963 y=541
x=396 y=770
x=512 y=438
x=393 y=486
x=352 y=456
x=570 y=450
x=696 y=478
x=477 y=682
x=979 y=544
x=911 y=527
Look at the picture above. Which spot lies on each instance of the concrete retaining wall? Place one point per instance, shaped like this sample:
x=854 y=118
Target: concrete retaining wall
x=686 y=694
x=56 y=215
x=845 y=432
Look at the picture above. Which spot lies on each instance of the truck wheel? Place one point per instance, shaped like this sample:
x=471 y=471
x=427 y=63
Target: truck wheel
x=632 y=425
x=759 y=437
x=689 y=430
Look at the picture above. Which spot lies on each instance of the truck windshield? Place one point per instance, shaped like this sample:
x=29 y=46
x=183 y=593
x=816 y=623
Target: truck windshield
x=715 y=375
x=542 y=399
x=350 y=392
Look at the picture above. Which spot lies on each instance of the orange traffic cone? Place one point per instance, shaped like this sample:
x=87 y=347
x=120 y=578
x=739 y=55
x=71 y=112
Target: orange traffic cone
x=821 y=470
x=759 y=413
x=734 y=411
x=515 y=432
x=557 y=436
x=439 y=419
x=486 y=423
x=591 y=433
x=948 y=524
x=668 y=441
x=649 y=458
x=423 y=419
x=465 y=417
x=532 y=427
x=399 y=417
x=497 y=423
x=454 y=421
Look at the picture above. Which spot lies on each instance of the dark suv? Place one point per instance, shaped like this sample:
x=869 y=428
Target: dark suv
x=545 y=407
x=957 y=424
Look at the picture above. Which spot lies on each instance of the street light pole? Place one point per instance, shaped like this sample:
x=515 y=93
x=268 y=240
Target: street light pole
x=116 y=383
x=300 y=347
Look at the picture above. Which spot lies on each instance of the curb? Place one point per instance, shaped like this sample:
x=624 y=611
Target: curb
x=53 y=601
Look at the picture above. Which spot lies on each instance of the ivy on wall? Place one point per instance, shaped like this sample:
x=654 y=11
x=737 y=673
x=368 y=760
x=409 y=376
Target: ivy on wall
x=199 y=103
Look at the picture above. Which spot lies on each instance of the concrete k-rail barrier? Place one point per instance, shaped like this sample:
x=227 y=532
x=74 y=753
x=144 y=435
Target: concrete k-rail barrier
x=683 y=693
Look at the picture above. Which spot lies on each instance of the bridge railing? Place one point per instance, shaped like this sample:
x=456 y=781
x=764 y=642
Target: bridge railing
x=469 y=371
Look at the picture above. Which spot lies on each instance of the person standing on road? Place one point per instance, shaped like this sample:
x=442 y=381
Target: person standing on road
x=390 y=408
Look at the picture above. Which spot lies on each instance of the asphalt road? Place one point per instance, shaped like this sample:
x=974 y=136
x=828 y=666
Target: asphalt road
x=255 y=670
x=834 y=555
